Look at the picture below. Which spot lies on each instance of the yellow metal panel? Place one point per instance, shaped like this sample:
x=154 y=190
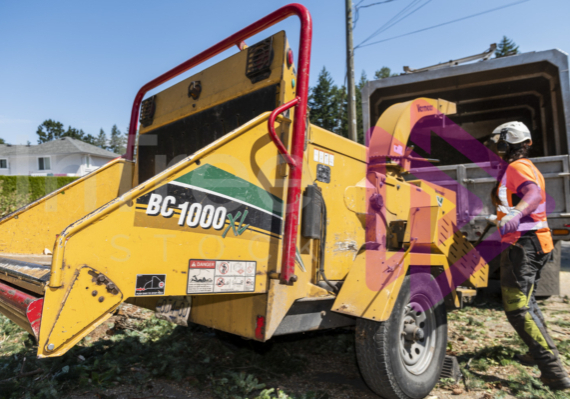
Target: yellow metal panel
x=363 y=296
x=333 y=142
x=470 y=267
x=87 y=296
x=374 y=281
x=345 y=231
x=281 y=297
x=33 y=228
x=355 y=197
x=236 y=314
x=398 y=199
x=220 y=83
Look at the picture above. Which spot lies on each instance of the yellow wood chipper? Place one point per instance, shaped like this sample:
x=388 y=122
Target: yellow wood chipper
x=238 y=214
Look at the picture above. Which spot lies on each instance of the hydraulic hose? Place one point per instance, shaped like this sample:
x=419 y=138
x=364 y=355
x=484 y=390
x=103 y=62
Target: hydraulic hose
x=322 y=242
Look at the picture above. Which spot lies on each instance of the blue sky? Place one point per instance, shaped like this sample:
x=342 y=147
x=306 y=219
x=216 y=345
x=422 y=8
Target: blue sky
x=81 y=63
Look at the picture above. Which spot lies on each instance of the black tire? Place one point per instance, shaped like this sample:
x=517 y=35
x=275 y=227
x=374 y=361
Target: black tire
x=380 y=346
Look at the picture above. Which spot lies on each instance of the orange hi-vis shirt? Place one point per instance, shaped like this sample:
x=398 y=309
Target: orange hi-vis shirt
x=517 y=173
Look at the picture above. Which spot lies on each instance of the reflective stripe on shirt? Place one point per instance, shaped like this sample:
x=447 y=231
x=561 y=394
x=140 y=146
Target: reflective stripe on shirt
x=533 y=226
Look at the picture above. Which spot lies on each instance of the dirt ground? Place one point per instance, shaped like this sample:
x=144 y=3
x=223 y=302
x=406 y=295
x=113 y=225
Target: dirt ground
x=477 y=336
x=136 y=356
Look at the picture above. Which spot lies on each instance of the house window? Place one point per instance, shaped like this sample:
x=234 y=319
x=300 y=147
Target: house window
x=44 y=163
x=88 y=161
x=3 y=164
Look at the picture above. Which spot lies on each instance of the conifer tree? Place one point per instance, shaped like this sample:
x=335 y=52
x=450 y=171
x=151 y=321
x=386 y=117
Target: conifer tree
x=118 y=141
x=101 y=140
x=324 y=102
x=359 y=121
x=506 y=47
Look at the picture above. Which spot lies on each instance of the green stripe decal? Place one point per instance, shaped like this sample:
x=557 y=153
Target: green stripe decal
x=219 y=181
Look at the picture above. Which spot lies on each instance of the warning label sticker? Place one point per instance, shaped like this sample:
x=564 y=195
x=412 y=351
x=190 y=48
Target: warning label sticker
x=206 y=276
x=150 y=284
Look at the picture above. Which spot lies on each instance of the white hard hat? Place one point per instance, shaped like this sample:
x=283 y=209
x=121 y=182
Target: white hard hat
x=517 y=132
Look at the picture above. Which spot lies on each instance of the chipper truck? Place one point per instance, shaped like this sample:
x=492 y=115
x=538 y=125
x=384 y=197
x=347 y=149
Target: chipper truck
x=230 y=210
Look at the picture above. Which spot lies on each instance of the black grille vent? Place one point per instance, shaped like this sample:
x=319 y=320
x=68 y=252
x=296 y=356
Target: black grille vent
x=147 y=111
x=259 y=57
x=451 y=369
x=170 y=143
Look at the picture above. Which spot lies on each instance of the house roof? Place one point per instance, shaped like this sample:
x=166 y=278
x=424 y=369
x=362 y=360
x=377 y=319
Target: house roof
x=65 y=145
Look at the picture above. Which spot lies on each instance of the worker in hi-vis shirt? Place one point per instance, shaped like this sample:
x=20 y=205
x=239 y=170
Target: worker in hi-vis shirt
x=520 y=199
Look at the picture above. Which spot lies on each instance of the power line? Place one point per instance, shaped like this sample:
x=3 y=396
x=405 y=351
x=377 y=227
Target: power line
x=357 y=7
x=375 y=4
x=397 y=21
x=383 y=27
x=445 y=23
x=414 y=2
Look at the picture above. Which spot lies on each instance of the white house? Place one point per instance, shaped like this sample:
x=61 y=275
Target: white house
x=61 y=157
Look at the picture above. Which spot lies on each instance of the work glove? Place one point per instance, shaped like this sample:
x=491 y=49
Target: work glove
x=492 y=219
x=510 y=222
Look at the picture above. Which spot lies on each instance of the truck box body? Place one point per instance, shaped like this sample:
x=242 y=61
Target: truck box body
x=532 y=88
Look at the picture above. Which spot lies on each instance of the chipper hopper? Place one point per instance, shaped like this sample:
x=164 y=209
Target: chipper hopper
x=238 y=214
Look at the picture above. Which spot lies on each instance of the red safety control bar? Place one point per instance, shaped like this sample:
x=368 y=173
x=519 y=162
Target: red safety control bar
x=299 y=128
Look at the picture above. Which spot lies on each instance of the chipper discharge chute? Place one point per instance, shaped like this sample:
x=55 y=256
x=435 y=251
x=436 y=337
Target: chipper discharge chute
x=245 y=218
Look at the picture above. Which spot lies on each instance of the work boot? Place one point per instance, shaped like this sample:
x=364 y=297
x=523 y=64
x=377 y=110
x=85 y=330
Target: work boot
x=559 y=384
x=525 y=359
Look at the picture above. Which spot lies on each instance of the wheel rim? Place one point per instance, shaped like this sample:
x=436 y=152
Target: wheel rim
x=418 y=335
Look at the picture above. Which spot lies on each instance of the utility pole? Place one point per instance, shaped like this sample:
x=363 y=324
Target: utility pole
x=352 y=131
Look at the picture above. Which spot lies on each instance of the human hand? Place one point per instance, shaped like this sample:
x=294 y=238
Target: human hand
x=510 y=222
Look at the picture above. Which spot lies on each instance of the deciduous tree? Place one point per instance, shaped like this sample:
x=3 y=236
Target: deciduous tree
x=49 y=130
x=384 y=72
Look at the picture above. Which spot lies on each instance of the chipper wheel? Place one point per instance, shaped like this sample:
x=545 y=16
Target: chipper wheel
x=402 y=357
